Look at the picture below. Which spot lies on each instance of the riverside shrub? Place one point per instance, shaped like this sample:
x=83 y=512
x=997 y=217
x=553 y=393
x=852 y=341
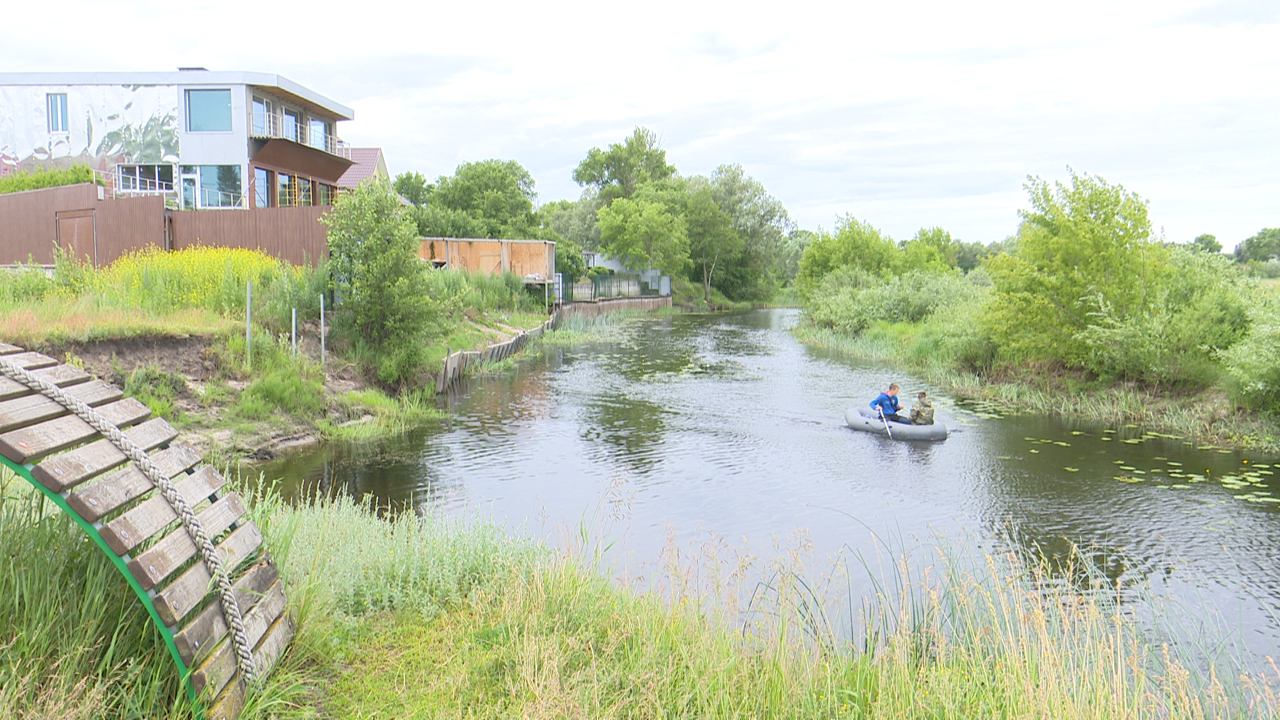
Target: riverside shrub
x=1253 y=364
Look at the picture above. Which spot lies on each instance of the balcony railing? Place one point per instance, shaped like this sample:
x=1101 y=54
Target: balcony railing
x=287 y=128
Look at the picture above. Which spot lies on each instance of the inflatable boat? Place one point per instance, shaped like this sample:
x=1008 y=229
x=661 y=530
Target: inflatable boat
x=867 y=420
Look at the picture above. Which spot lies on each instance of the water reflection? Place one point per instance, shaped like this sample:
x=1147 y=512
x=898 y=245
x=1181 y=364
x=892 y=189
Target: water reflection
x=724 y=425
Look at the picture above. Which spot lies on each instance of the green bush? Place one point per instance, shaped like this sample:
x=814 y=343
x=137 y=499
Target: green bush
x=155 y=388
x=850 y=299
x=20 y=181
x=24 y=284
x=283 y=390
x=1253 y=364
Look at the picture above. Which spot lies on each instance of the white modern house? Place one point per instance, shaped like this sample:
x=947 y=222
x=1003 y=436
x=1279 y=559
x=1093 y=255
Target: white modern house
x=200 y=138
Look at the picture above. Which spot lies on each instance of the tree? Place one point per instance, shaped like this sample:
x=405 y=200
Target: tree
x=624 y=167
x=856 y=244
x=486 y=199
x=1261 y=247
x=1207 y=243
x=1083 y=250
x=763 y=223
x=644 y=235
x=947 y=249
x=712 y=237
x=413 y=187
x=574 y=221
x=384 y=302
x=569 y=261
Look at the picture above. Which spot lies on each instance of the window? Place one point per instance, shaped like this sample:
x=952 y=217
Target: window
x=319 y=134
x=292 y=121
x=304 y=192
x=324 y=194
x=146 y=178
x=219 y=186
x=288 y=196
x=261 y=188
x=58 y=112
x=209 y=111
x=263 y=120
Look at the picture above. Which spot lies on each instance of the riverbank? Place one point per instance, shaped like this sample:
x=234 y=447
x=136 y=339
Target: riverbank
x=1207 y=416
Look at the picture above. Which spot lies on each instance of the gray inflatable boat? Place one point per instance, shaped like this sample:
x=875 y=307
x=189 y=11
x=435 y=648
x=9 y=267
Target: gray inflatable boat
x=866 y=419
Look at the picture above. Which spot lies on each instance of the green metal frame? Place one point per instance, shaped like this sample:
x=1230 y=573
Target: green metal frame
x=24 y=471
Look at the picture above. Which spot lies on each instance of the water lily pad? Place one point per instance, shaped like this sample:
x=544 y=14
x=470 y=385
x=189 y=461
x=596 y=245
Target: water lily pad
x=1127 y=467
x=1071 y=469
x=1131 y=441
x=1106 y=439
x=1174 y=463
x=1033 y=450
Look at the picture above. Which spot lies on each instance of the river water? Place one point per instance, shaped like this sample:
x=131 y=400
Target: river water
x=722 y=431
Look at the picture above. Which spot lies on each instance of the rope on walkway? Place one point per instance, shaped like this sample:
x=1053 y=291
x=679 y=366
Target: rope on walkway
x=226 y=594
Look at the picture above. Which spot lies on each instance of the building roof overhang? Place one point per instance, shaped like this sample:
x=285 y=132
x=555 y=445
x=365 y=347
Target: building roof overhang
x=289 y=156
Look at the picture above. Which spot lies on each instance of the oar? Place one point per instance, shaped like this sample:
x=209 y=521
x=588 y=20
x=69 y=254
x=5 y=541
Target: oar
x=884 y=420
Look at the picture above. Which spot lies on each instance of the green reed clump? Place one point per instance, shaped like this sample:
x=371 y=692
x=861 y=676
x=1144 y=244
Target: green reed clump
x=74 y=640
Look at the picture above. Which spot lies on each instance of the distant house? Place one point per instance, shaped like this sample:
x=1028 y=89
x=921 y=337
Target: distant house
x=168 y=148
x=367 y=163
x=202 y=139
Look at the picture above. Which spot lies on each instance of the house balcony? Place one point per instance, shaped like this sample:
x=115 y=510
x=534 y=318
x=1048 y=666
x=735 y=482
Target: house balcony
x=277 y=127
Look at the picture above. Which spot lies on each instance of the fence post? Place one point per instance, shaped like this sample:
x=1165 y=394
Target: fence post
x=248 y=324
x=295 y=332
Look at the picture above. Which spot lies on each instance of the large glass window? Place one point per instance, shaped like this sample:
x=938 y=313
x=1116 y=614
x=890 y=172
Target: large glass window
x=146 y=178
x=261 y=188
x=288 y=196
x=58 y=112
x=319 y=134
x=291 y=124
x=304 y=192
x=209 y=110
x=324 y=194
x=219 y=186
x=263 y=121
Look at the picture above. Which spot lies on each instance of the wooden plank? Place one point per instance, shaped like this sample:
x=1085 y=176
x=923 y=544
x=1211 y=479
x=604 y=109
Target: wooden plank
x=229 y=705
x=160 y=560
x=199 y=637
x=32 y=409
x=31 y=443
x=185 y=594
x=30 y=360
x=269 y=635
x=155 y=514
x=128 y=483
x=70 y=469
x=7 y=349
x=60 y=375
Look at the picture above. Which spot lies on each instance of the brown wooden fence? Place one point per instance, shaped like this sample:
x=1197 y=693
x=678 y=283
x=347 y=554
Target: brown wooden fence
x=294 y=234
x=77 y=217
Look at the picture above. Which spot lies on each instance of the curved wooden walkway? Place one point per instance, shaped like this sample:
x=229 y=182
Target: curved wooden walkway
x=94 y=483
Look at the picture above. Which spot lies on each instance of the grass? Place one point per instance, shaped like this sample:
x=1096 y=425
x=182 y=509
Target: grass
x=418 y=619
x=407 y=616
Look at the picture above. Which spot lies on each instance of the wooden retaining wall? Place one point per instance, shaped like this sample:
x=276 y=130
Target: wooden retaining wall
x=456 y=364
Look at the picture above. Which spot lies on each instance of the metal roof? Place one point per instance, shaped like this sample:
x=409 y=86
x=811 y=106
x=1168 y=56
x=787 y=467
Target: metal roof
x=183 y=77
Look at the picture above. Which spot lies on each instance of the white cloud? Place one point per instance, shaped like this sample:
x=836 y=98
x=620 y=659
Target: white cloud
x=910 y=115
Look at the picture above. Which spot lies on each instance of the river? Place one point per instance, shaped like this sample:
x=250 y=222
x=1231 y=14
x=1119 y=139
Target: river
x=722 y=432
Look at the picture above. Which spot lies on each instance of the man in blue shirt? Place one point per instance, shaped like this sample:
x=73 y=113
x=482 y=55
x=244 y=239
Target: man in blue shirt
x=887 y=404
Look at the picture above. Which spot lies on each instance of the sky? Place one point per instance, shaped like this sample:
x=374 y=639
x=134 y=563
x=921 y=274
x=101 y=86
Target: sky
x=904 y=115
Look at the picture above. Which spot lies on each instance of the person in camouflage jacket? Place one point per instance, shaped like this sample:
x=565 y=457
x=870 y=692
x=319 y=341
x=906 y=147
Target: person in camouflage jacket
x=922 y=411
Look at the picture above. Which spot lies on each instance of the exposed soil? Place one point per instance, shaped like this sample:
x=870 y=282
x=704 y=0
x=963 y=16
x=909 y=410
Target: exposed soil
x=202 y=420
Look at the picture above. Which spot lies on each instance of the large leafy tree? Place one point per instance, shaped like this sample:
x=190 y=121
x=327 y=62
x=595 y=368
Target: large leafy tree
x=574 y=221
x=644 y=234
x=486 y=199
x=1261 y=247
x=713 y=240
x=762 y=222
x=621 y=169
x=856 y=244
x=1207 y=243
x=413 y=187
x=1083 y=251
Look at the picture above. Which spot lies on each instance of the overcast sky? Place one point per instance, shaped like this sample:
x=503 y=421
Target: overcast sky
x=905 y=115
